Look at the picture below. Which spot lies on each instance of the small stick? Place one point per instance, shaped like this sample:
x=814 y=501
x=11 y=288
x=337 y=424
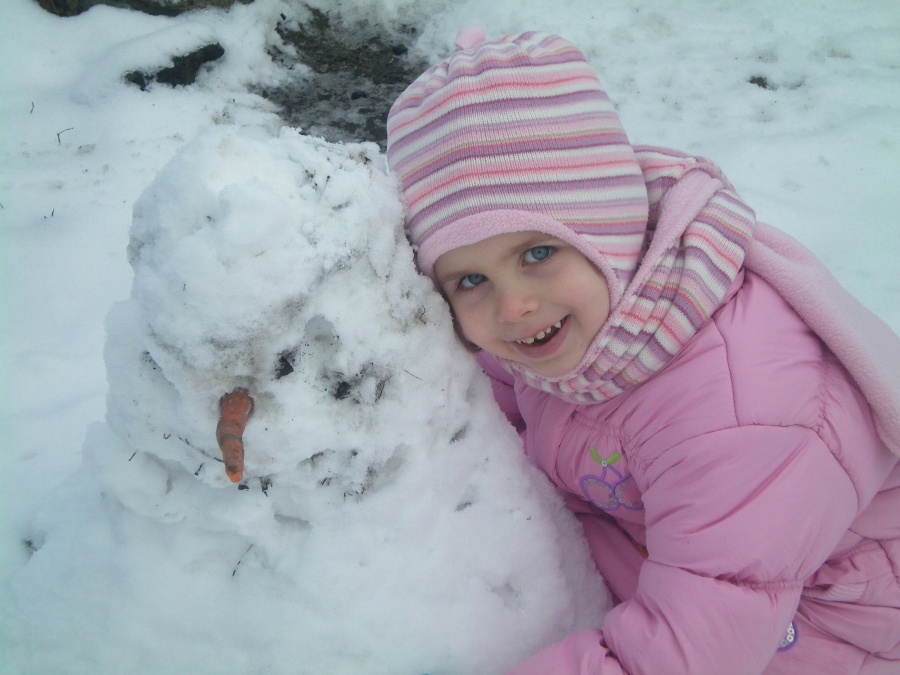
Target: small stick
x=241 y=559
x=58 y=140
x=234 y=409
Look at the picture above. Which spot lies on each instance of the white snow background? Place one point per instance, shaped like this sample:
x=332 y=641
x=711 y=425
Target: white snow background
x=399 y=531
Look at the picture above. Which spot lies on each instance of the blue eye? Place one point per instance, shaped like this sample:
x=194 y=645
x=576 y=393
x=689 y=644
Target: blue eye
x=537 y=254
x=471 y=280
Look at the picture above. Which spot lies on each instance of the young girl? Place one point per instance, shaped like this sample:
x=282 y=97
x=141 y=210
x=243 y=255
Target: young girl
x=722 y=416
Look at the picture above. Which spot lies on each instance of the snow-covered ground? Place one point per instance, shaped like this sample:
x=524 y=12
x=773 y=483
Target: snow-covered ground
x=114 y=566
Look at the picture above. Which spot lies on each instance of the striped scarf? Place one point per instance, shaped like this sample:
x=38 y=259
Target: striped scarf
x=698 y=234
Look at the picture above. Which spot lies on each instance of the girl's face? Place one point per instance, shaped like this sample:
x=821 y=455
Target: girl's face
x=526 y=297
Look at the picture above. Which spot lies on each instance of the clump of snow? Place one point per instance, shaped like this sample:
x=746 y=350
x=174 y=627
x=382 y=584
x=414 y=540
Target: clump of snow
x=280 y=266
x=387 y=521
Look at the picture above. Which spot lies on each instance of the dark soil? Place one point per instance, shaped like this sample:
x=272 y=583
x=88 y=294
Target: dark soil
x=761 y=81
x=357 y=73
x=183 y=71
x=155 y=7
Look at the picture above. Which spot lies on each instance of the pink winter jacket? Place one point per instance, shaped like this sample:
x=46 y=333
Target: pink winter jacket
x=740 y=505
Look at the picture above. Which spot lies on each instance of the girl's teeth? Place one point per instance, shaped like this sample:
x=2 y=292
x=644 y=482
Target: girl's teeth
x=542 y=334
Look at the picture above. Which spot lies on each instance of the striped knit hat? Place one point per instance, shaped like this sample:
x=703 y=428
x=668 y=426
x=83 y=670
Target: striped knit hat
x=511 y=135
x=516 y=134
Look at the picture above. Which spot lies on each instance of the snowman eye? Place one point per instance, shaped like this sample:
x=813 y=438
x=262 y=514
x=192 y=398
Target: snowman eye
x=470 y=281
x=537 y=254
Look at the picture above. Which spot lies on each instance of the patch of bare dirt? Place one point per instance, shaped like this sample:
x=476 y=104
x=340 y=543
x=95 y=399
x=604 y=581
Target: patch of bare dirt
x=357 y=73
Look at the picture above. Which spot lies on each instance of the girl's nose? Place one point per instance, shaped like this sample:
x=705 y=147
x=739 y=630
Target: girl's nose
x=515 y=303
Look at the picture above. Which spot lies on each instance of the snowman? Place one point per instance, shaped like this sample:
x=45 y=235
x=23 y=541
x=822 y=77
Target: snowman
x=282 y=378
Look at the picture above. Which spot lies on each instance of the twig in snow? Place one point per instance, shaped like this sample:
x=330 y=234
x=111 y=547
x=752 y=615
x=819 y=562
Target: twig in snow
x=32 y=108
x=58 y=140
x=241 y=560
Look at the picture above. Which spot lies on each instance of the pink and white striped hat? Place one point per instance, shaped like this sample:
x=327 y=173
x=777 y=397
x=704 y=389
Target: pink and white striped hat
x=516 y=134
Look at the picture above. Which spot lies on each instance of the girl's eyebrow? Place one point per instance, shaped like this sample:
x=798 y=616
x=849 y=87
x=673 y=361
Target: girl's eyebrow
x=539 y=239
x=453 y=275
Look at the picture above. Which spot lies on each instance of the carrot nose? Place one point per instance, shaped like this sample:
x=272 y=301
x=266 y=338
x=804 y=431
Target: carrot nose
x=234 y=409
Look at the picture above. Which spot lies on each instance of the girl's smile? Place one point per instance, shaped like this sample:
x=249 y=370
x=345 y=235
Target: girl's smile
x=526 y=297
x=546 y=342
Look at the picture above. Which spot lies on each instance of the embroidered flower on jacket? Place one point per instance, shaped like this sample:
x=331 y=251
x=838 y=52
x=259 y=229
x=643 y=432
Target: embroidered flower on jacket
x=610 y=489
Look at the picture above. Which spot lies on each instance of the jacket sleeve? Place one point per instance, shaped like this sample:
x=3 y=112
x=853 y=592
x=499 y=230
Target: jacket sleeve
x=736 y=520
x=503 y=385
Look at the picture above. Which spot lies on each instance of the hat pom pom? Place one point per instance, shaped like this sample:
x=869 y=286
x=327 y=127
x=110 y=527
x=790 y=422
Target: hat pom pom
x=469 y=37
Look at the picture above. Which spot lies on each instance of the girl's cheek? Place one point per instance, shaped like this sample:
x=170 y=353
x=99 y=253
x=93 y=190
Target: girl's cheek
x=464 y=319
x=467 y=300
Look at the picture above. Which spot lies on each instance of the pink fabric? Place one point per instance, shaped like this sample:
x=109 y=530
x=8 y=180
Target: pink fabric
x=751 y=472
x=864 y=343
x=469 y=37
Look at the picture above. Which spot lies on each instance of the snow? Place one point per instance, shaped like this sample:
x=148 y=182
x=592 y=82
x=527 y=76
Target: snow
x=400 y=530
